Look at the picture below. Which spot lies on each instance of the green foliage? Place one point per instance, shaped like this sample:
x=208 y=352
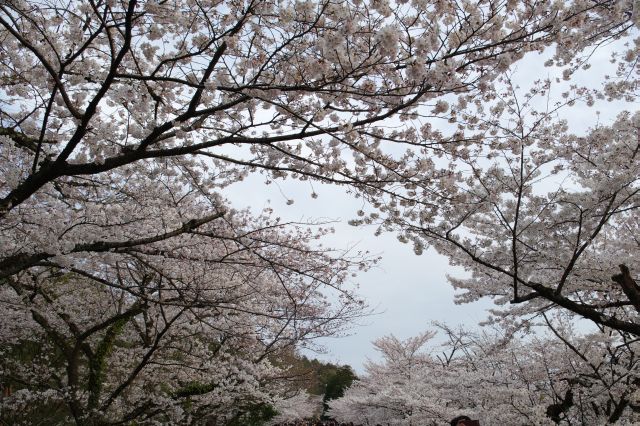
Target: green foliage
x=255 y=415
x=24 y=353
x=315 y=376
x=336 y=383
x=97 y=364
x=193 y=389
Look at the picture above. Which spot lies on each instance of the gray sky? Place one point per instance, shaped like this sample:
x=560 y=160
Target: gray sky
x=408 y=291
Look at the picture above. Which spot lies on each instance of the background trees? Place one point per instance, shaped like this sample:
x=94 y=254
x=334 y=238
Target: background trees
x=566 y=378
x=336 y=383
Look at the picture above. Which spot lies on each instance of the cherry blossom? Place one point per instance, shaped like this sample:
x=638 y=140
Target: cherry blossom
x=560 y=378
x=141 y=294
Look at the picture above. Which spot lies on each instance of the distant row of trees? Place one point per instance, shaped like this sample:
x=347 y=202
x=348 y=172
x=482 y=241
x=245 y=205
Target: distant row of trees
x=563 y=377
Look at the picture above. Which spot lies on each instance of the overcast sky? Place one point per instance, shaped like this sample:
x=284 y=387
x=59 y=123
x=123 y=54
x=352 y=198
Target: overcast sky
x=409 y=292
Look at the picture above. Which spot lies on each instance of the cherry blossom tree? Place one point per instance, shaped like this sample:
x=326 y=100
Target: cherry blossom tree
x=562 y=378
x=147 y=349
x=306 y=90
x=122 y=121
x=297 y=408
x=539 y=216
x=177 y=327
x=258 y=284
x=397 y=391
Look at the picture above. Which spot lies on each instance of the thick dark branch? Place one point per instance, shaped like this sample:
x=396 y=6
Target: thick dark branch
x=629 y=286
x=101 y=246
x=106 y=85
x=13 y=264
x=57 y=338
x=545 y=292
x=195 y=100
x=583 y=310
x=56 y=168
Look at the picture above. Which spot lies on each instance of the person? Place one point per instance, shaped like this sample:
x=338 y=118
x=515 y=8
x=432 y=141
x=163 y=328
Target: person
x=461 y=421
